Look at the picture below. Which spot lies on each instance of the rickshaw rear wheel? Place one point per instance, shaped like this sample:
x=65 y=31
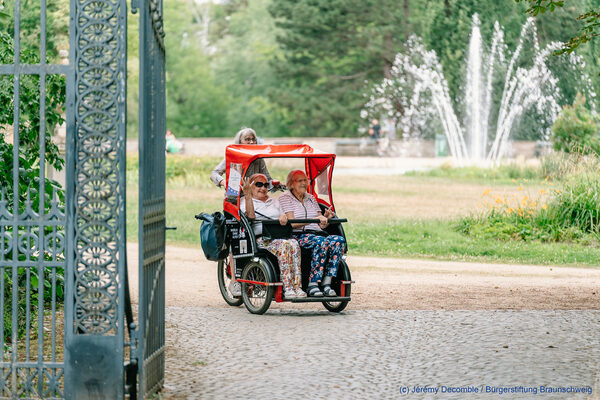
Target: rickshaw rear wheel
x=257 y=298
x=343 y=275
x=224 y=271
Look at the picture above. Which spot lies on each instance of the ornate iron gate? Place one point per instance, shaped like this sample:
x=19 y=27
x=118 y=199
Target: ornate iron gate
x=32 y=233
x=152 y=130
x=84 y=236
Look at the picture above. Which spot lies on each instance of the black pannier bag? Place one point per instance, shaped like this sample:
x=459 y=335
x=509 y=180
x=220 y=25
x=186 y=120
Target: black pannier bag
x=274 y=230
x=213 y=235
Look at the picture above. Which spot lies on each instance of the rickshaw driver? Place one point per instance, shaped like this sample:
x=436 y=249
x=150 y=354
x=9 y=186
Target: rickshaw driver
x=243 y=136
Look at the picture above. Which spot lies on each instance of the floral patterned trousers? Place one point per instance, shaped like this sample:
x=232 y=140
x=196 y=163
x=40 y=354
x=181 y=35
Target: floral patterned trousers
x=326 y=253
x=287 y=252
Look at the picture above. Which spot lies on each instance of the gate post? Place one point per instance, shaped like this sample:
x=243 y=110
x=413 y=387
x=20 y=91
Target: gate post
x=96 y=254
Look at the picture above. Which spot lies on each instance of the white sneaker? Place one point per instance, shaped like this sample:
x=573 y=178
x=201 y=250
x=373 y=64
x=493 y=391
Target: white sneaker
x=290 y=294
x=235 y=288
x=300 y=293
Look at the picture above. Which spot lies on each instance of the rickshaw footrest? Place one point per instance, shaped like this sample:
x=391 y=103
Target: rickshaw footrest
x=317 y=299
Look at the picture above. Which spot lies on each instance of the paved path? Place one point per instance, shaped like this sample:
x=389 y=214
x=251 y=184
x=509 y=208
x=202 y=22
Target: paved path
x=229 y=353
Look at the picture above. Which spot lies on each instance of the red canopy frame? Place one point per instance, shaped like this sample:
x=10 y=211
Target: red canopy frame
x=315 y=163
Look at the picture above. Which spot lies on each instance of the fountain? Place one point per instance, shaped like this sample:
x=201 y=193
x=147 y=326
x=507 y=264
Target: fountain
x=417 y=92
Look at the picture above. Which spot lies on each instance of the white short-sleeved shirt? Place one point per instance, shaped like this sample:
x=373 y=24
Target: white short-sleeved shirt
x=263 y=210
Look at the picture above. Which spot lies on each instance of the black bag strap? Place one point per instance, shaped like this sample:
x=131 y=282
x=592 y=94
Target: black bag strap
x=261 y=214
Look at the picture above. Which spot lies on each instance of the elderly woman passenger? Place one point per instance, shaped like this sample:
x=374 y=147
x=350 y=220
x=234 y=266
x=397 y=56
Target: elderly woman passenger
x=327 y=250
x=257 y=205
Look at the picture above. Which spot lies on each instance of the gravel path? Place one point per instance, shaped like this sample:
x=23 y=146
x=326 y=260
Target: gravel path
x=228 y=353
x=403 y=284
x=411 y=324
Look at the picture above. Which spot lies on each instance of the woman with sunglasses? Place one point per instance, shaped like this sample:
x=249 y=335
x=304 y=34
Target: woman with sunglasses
x=327 y=250
x=244 y=136
x=258 y=205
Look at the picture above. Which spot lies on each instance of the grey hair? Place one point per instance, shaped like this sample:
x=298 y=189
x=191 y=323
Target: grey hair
x=242 y=132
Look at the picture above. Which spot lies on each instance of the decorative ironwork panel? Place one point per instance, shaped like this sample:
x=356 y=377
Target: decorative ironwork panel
x=96 y=211
x=152 y=199
x=99 y=202
x=32 y=228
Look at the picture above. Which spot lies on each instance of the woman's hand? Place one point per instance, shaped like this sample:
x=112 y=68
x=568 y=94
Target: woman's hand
x=283 y=219
x=247 y=188
x=329 y=213
x=323 y=222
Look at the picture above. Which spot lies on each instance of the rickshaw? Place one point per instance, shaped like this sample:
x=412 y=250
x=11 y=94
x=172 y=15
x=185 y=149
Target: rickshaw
x=257 y=269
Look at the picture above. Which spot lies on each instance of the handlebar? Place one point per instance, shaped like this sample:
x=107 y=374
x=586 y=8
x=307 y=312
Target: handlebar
x=304 y=221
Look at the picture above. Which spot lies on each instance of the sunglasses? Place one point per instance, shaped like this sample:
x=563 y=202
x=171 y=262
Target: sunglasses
x=261 y=184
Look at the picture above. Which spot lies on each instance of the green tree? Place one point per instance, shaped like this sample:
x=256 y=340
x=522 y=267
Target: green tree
x=57 y=25
x=244 y=64
x=333 y=50
x=28 y=176
x=590 y=19
x=577 y=129
x=196 y=103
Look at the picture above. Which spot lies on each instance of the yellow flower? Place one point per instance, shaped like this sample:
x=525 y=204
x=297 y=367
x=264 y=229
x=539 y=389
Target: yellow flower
x=542 y=191
x=545 y=206
x=520 y=187
x=499 y=200
x=509 y=210
x=514 y=181
x=487 y=191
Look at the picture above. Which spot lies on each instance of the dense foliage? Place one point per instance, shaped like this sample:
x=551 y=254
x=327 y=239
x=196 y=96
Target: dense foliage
x=28 y=176
x=303 y=68
x=589 y=30
x=577 y=129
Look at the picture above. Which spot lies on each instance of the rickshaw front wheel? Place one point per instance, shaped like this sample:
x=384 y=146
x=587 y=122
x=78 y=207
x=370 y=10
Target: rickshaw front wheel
x=343 y=275
x=257 y=297
x=224 y=271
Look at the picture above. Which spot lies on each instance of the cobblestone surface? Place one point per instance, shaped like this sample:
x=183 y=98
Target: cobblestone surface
x=297 y=354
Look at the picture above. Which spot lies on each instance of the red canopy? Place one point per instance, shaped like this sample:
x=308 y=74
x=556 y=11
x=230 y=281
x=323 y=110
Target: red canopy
x=243 y=155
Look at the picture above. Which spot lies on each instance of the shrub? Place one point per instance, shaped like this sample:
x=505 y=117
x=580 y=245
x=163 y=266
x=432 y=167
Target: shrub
x=577 y=204
x=568 y=212
x=28 y=180
x=577 y=129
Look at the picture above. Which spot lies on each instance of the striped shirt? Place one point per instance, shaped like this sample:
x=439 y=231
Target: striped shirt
x=308 y=208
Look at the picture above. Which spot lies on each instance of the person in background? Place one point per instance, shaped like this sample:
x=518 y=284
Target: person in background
x=375 y=129
x=172 y=145
x=391 y=129
x=327 y=250
x=257 y=205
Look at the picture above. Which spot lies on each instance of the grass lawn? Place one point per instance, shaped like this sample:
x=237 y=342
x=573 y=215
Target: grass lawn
x=394 y=216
